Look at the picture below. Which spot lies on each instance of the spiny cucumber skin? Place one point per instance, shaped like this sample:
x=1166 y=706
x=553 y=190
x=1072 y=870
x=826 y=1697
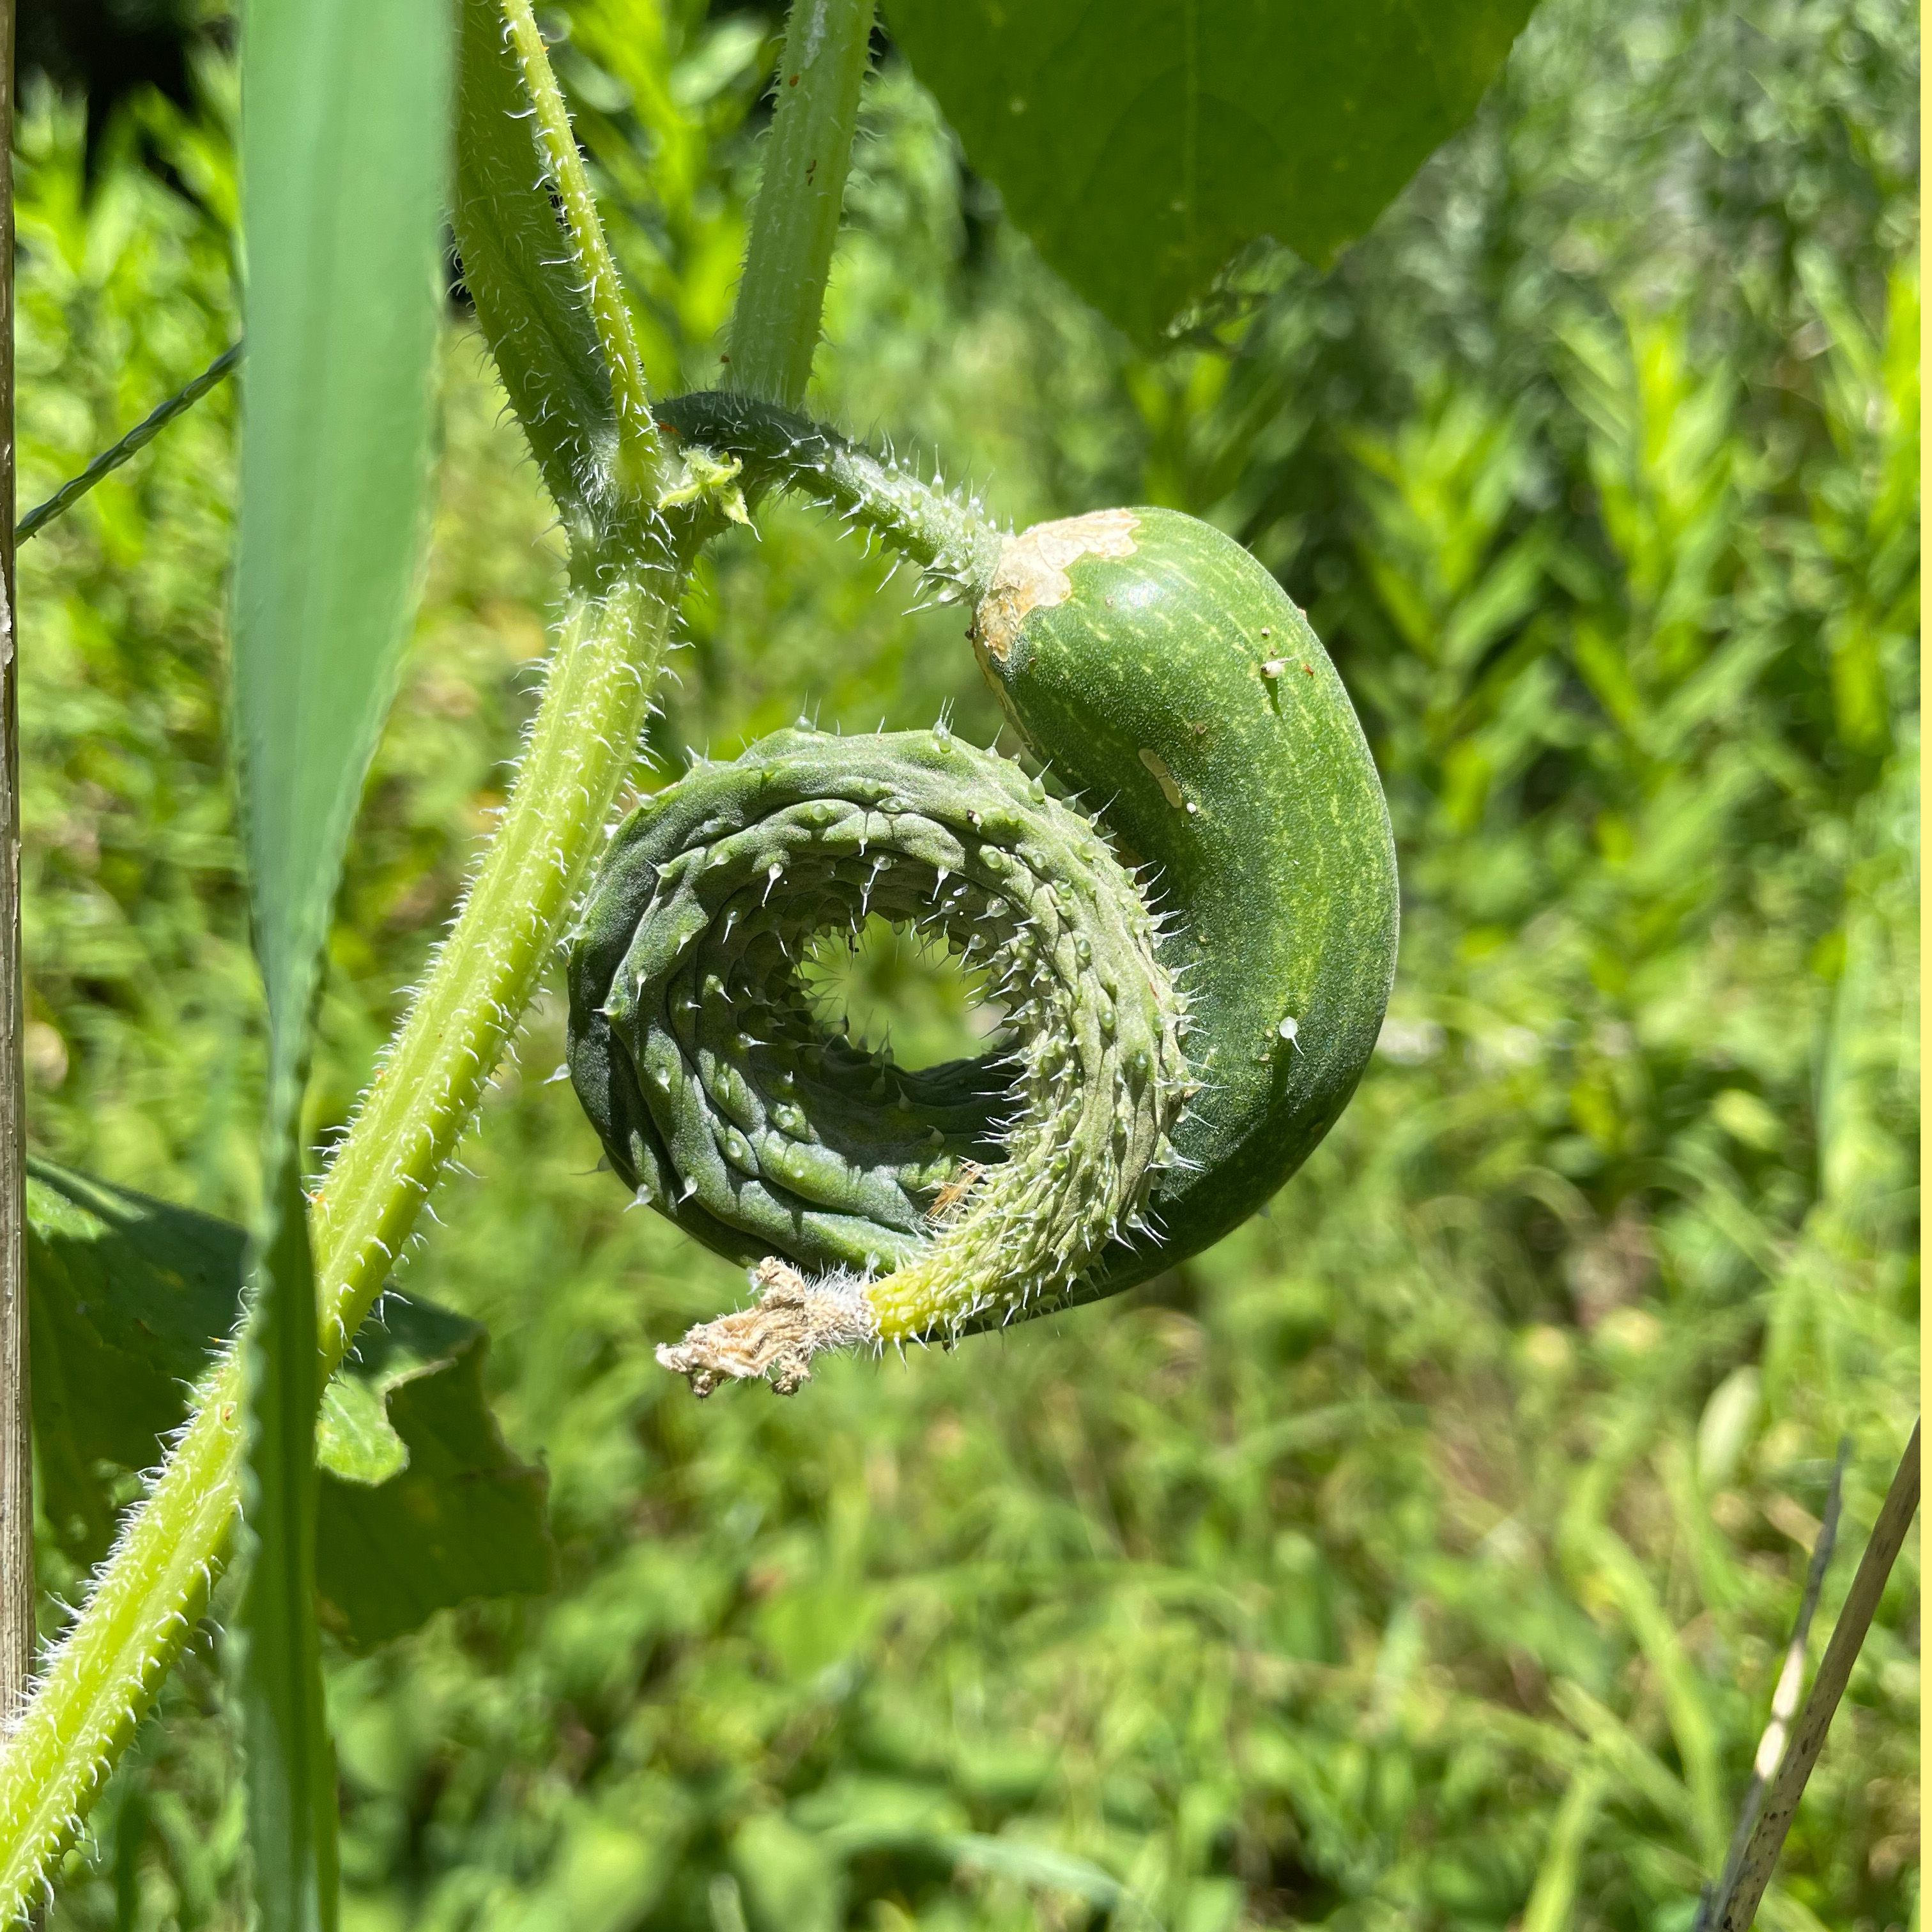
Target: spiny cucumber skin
x=695 y=1052
x=1174 y=690
x=1282 y=871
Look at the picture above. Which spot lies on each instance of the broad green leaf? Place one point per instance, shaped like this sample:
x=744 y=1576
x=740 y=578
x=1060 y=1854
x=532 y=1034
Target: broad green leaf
x=1141 y=144
x=433 y=1509
x=533 y=310
x=355 y=1439
x=130 y=1299
x=345 y=128
x=127 y=1298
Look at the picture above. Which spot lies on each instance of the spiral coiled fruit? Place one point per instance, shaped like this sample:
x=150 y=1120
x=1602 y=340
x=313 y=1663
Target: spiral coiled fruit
x=983 y=1185
x=1162 y=676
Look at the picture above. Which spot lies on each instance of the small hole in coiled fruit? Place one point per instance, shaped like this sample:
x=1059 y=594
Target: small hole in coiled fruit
x=892 y=989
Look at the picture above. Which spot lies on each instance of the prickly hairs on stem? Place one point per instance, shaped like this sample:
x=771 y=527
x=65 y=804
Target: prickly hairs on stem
x=1150 y=663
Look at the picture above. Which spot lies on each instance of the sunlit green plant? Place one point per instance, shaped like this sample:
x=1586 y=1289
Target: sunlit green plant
x=335 y=116
x=635 y=514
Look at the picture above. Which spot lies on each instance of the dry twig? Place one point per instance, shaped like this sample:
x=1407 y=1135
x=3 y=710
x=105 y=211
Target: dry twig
x=1732 y=1906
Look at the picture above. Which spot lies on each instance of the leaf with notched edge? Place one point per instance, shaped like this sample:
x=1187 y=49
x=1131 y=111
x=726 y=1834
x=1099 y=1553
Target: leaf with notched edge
x=421 y=1505
x=458 y=1517
x=127 y=1299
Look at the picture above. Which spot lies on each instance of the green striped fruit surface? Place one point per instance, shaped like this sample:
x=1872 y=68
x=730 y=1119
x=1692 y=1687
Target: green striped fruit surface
x=1196 y=950
x=1166 y=679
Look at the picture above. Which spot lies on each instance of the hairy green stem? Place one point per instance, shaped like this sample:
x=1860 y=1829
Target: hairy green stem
x=155 y=1584
x=636 y=437
x=795 y=220
x=420 y=1099
x=148 y=1594
x=953 y=541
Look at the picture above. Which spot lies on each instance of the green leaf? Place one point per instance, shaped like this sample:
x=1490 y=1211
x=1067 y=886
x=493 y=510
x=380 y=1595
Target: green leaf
x=131 y=1298
x=1141 y=145
x=127 y=1299
x=345 y=123
x=345 y=126
x=1043 y=1866
x=291 y=1762
x=430 y=1508
x=849 y=1816
x=516 y=263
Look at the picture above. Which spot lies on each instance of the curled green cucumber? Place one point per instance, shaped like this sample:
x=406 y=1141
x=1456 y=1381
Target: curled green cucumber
x=1165 y=682
x=981 y=1185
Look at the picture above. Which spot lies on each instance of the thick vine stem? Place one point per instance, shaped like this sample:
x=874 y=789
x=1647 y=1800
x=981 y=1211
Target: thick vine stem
x=952 y=540
x=637 y=439
x=795 y=218
x=154 y=1586
x=581 y=748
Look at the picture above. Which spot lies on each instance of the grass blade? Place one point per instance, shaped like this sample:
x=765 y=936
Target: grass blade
x=1692 y=1727
x=1552 y=1899
x=345 y=120
x=1043 y=1866
x=131 y=445
x=343 y=143
x=291 y=1768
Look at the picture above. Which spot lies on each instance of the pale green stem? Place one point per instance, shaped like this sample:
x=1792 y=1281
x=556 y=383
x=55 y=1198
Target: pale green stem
x=417 y=1106
x=154 y=1586
x=608 y=309
x=795 y=219
x=148 y=1594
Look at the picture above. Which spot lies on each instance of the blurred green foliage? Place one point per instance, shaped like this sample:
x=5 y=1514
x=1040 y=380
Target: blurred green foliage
x=421 y=1505
x=1421 y=1556
x=1139 y=159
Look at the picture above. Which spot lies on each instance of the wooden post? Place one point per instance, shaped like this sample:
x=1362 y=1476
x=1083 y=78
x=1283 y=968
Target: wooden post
x=16 y=1442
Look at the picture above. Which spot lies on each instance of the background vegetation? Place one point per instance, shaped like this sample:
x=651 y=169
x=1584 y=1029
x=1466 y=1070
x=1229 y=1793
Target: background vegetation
x=1420 y=1556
